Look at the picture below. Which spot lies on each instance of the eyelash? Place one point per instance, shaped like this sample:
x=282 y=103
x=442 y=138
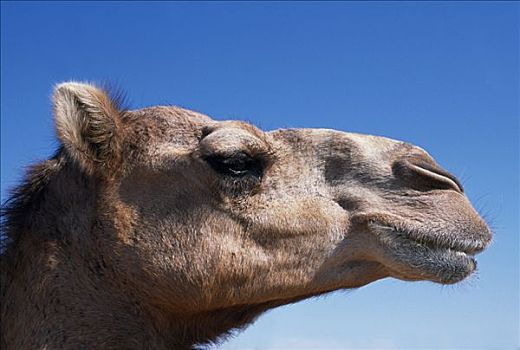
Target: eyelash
x=238 y=165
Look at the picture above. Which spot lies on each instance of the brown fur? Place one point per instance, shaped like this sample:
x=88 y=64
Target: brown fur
x=138 y=233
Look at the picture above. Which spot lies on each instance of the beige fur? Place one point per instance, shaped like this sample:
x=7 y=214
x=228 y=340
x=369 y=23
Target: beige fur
x=86 y=122
x=160 y=228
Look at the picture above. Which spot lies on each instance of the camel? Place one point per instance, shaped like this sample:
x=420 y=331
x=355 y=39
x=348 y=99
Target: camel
x=160 y=228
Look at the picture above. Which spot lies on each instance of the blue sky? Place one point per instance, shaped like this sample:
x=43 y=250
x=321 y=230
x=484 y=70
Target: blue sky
x=441 y=75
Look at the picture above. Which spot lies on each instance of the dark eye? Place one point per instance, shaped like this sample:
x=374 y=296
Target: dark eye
x=236 y=165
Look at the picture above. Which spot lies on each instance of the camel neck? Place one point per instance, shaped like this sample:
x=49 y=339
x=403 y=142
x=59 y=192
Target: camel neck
x=55 y=279
x=70 y=302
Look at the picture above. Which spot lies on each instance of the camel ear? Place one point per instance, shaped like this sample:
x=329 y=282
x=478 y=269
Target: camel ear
x=87 y=123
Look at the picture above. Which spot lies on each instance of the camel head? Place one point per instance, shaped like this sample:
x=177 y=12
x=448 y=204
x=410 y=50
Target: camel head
x=197 y=215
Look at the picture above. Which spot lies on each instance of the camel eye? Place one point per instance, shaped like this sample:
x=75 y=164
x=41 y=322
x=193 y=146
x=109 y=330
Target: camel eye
x=236 y=165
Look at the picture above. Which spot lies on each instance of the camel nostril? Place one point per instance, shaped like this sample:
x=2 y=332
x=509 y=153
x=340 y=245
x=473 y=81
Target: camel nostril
x=439 y=177
x=425 y=175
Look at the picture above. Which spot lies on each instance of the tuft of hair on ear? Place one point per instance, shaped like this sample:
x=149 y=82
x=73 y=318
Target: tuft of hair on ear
x=88 y=124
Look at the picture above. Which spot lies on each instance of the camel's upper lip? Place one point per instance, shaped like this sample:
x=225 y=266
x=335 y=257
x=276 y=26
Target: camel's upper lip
x=433 y=241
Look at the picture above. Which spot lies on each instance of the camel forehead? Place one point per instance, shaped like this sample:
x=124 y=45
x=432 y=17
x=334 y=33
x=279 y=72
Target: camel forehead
x=168 y=119
x=179 y=125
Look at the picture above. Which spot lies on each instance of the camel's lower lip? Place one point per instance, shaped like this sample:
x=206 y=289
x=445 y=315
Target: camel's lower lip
x=425 y=259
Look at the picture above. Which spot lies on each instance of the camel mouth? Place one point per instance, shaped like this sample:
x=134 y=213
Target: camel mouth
x=416 y=255
x=435 y=242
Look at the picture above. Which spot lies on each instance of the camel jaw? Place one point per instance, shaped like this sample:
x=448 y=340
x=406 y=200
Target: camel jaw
x=414 y=255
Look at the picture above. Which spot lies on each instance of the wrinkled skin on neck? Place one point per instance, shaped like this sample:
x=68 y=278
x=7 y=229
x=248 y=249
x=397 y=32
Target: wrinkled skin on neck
x=204 y=225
